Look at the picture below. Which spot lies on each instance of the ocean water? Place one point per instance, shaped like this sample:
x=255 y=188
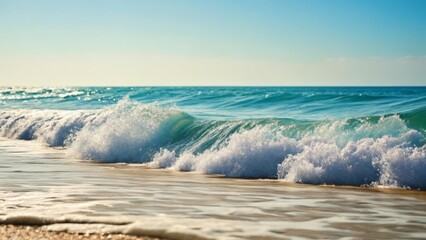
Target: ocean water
x=216 y=162
x=329 y=135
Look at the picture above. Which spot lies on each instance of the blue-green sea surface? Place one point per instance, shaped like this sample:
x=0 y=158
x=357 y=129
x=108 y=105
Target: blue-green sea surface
x=355 y=136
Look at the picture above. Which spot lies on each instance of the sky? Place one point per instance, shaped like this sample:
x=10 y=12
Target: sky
x=212 y=42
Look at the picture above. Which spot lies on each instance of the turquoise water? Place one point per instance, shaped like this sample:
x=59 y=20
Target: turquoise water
x=299 y=103
x=318 y=135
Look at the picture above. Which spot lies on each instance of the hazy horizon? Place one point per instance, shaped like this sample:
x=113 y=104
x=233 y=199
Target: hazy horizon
x=212 y=43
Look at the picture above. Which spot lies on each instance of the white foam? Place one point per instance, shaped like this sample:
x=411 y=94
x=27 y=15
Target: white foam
x=163 y=159
x=126 y=132
x=253 y=153
x=389 y=161
x=345 y=130
x=48 y=126
x=350 y=152
x=262 y=152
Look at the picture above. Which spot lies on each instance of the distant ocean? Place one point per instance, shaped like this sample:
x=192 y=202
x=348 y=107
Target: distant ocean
x=216 y=162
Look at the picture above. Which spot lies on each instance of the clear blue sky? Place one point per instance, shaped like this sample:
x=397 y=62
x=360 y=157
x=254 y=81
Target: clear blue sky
x=245 y=42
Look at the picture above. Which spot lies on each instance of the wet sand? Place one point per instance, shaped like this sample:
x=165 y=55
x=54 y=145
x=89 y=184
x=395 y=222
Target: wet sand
x=13 y=232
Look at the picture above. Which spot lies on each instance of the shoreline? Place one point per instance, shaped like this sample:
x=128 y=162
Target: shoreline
x=22 y=232
x=46 y=194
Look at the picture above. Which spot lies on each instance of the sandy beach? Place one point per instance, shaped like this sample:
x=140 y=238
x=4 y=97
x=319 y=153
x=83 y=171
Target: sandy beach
x=63 y=195
x=12 y=232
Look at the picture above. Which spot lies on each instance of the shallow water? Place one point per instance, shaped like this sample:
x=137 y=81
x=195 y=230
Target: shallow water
x=46 y=186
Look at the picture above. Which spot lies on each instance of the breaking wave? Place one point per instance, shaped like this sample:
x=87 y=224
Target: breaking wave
x=377 y=150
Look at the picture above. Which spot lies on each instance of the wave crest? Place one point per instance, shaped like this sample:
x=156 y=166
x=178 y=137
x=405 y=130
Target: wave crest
x=127 y=132
x=388 y=161
x=365 y=151
x=253 y=153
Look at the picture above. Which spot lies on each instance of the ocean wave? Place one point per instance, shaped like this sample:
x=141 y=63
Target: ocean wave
x=127 y=132
x=249 y=154
x=258 y=153
x=386 y=161
x=416 y=118
x=377 y=151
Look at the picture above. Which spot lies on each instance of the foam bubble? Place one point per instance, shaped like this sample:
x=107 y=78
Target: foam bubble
x=163 y=159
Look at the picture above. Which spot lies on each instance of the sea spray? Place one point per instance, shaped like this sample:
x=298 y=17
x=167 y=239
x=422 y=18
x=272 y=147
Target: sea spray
x=384 y=149
x=251 y=153
x=48 y=126
x=126 y=132
x=388 y=161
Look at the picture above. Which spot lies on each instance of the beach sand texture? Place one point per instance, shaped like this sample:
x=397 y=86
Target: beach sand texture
x=12 y=232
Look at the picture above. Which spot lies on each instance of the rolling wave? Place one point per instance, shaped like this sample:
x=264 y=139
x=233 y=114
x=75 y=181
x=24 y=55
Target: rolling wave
x=375 y=150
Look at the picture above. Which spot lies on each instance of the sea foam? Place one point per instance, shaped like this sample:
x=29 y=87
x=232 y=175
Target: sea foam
x=364 y=151
x=388 y=161
x=248 y=154
x=127 y=132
